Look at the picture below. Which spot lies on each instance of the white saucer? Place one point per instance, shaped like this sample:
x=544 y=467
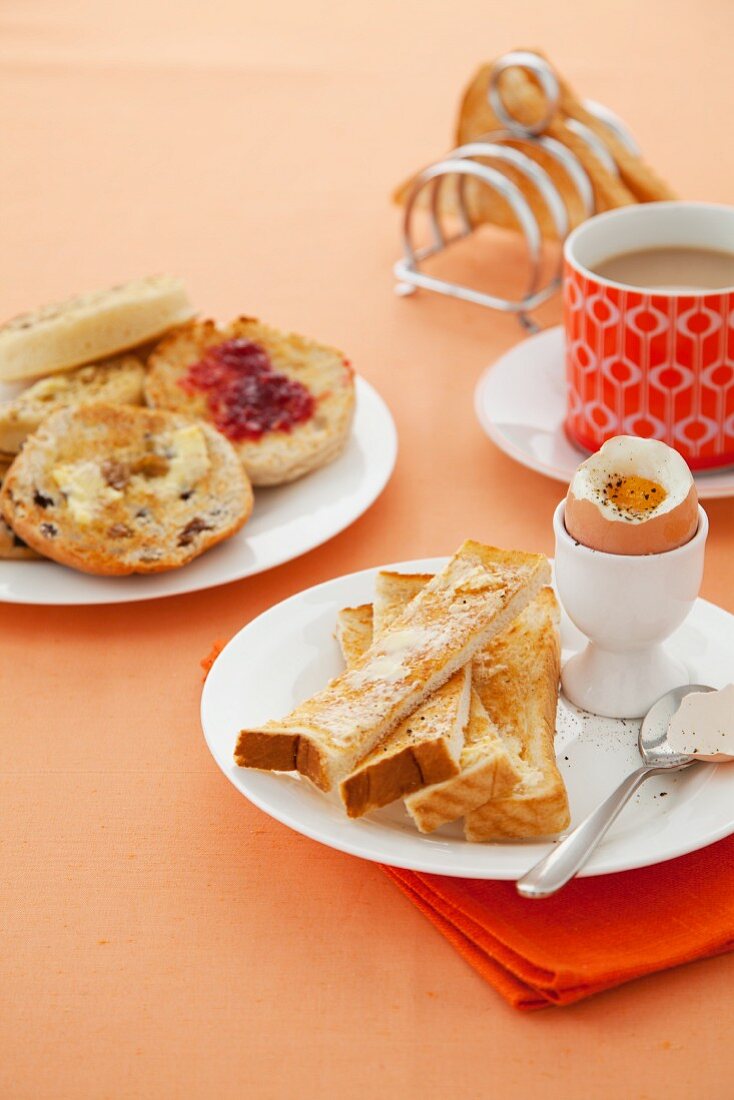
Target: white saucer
x=289 y=652
x=520 y=402
x=286 y=522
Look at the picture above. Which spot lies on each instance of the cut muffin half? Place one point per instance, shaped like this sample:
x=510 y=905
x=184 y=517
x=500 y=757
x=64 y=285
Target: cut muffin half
x=284 y=402
x=116 y=490
x=115 y=382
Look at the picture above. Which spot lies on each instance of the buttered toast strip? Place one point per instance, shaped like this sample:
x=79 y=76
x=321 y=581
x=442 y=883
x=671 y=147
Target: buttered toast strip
x=354 y=632
x=424 y=748
x=487 y=767
x=484 y=766
x=517 y=680
x=480 y=591
x=517 y=677
x=393 y=593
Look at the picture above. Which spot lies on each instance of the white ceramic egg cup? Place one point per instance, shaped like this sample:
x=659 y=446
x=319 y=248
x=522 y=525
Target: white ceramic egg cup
x=626 y=605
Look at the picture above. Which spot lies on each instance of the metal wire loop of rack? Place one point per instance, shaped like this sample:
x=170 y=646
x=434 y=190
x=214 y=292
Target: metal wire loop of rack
x=463 y=163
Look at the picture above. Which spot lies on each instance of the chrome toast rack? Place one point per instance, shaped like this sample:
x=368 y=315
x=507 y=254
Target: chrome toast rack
x=464 y=162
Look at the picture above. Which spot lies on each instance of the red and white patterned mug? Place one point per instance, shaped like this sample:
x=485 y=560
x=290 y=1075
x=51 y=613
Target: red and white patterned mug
x=656 y=363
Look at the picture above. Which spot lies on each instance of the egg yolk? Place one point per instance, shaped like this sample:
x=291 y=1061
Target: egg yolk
x=633 y=496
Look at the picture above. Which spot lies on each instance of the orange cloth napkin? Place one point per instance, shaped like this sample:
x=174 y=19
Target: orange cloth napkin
x=593 y=935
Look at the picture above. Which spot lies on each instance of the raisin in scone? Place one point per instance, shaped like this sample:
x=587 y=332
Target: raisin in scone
x=113 y=489
x=115 y=382
x=284 y=402
x=12 y=548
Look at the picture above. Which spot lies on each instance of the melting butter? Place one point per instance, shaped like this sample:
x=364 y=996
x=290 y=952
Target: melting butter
x=409 y=639
x=85 y=489
x=188 y=463
x=386 y=667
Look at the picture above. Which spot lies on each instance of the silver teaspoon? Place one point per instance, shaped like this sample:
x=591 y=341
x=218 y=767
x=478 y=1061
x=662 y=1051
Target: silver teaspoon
x=568 y=857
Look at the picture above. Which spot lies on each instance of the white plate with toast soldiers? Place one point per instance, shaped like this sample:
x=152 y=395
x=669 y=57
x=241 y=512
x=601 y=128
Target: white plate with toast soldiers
x=136 y=440
x=411 y=715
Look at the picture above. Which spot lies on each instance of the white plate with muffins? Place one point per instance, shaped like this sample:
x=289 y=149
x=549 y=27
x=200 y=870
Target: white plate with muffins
x=147 y=454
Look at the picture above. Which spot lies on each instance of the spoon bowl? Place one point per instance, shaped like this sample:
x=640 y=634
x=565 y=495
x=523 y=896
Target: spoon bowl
x=566 y=859
x=653 y=740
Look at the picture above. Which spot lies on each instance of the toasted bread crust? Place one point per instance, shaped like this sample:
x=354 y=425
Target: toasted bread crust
x=262 y=752
x=515 y=818
x=281 y=456
x=393 y=592
x=479 y=592
x=94 y=489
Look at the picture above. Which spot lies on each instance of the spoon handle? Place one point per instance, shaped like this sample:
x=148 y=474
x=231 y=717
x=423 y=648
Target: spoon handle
x=568 y=857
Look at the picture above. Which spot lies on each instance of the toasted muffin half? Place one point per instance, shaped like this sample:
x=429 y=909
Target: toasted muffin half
x=275 y=455
x=90 y=327
x=114 y=382
x=114 y=489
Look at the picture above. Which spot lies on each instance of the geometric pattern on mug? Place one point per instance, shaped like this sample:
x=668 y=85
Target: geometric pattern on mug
x=573 y=299
x=599 y=417
x=720 y=376
x=583 y=357
x=621 y=371
x=647 y=321
x=645 y=425
x=640 y=363
x=698 y=428
x=671 y=378
x=603 y=312
x=699 y=322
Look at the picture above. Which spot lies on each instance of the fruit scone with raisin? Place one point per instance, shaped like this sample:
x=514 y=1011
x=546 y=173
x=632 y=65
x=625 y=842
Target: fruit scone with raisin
x=283 y=401
x=12 y=548
x=116 y=381
x=115 y=489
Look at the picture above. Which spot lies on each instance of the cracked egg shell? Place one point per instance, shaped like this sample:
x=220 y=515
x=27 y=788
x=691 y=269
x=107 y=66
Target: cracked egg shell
x=634 y=496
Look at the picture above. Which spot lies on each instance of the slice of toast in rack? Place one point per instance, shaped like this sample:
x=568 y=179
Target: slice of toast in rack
x=627 y=180
x=479 y=592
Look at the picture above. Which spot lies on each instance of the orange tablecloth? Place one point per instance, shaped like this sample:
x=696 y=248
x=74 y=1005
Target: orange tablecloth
x=160 y=937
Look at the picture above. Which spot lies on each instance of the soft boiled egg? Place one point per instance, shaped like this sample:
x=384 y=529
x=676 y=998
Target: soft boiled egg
x=634 y=496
